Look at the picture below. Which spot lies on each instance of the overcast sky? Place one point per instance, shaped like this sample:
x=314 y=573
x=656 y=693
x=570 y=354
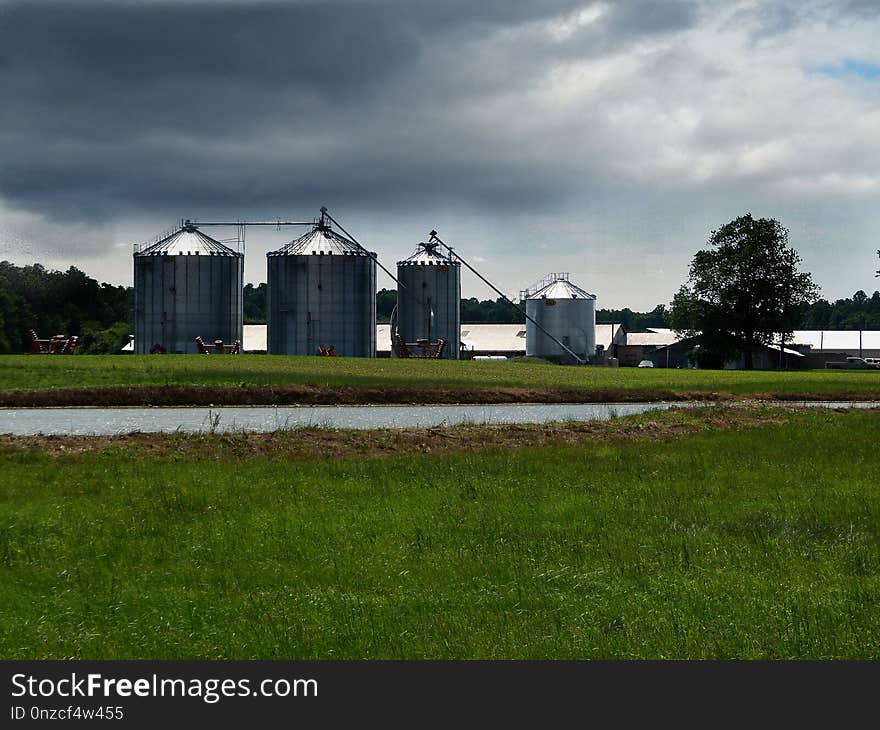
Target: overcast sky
x=606 y=139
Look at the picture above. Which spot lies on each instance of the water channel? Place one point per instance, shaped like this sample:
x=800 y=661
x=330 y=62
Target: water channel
x=109 y=421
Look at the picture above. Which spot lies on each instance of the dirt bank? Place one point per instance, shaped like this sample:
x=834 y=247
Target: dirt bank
x=318 y=443
x=309 y=395
x=313 y=395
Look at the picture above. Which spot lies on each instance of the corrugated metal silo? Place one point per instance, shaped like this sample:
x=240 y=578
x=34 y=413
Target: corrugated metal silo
x=567 y=312
x=321 y=293
x=187 y=285
x=429 y=303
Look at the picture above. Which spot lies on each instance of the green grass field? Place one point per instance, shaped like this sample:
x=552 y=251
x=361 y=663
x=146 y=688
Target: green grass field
x=755 y=543
x=22 y=372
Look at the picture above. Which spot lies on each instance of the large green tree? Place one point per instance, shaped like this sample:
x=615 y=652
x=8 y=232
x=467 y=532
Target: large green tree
x=747 y=289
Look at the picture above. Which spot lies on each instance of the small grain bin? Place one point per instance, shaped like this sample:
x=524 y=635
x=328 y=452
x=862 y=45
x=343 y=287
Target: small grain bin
x=567 y=312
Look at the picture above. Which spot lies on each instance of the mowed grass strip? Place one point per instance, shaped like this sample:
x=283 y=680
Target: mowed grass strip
x=755 y=543
x=22 y=372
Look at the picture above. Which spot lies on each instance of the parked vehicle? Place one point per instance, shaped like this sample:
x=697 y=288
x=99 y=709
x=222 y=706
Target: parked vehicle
x=853 y=363
x=646 y=364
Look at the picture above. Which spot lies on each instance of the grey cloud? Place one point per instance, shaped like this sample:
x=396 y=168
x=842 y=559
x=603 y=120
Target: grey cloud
x=306 y=46
x=644 y=124
x=857 y=8
x=143 y=104
x=770 y=20
x=648 y=17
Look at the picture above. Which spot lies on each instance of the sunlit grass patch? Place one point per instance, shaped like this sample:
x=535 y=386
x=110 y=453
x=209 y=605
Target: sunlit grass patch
x=763 y=542
x=28 y=372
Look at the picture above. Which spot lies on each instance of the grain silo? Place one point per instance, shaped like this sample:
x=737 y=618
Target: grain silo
x=186 y=285
x=429 y=300
x=321 y=296
x=565 y=311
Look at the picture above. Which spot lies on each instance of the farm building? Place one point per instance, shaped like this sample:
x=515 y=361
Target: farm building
x=804 y=349
x=508 y=340
x=807 y=348
x=680 y=354
x=821 y=346
x=638 y=346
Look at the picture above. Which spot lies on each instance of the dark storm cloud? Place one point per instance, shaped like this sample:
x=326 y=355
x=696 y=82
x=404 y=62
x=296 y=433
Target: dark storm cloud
x=304 y=46
x=138 y=106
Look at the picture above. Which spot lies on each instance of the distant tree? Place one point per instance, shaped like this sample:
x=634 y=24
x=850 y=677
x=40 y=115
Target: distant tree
x=857 y=312
x=635 y=321
x=386 y=299
x=474 y=311
x=254 y=303
x=97 y=340
x=743 y=290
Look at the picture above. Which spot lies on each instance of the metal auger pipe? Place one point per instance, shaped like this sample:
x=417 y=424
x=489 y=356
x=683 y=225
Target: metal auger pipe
x=577 y=358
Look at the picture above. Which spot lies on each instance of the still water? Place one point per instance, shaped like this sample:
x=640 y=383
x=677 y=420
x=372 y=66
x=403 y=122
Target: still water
x=108 y=421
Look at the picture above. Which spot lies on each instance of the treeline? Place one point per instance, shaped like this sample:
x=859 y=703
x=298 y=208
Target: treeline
x=858 y=312
x=634 y=321
x=61 y=302
x=70 y=302
x=254 y=304
x=473 y=310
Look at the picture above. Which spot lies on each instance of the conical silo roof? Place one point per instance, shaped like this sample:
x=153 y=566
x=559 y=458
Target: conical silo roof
x=427 y=254
x=562 y=290
x=320 y=240
x=188 y=241
x=557 y=286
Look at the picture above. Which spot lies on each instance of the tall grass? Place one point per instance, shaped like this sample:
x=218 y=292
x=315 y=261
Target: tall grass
x=759 y=543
